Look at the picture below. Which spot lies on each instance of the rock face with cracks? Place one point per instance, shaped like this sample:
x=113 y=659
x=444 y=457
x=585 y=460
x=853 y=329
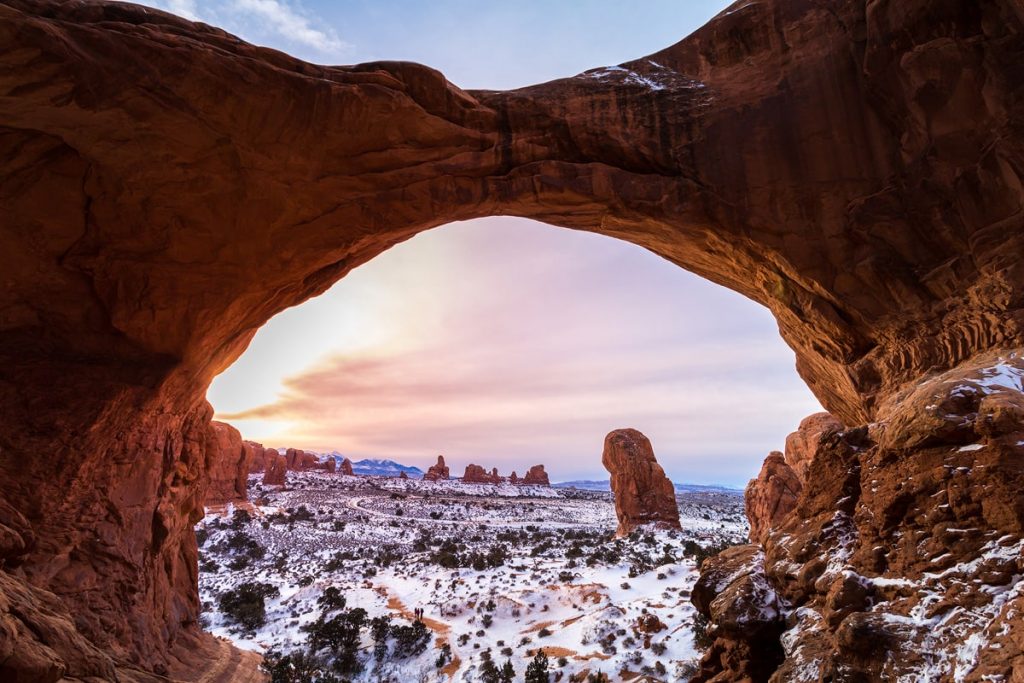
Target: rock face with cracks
x=643 y=494
x=853 y=166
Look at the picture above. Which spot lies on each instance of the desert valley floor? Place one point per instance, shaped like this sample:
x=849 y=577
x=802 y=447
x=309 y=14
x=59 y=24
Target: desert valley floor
x=498 y=570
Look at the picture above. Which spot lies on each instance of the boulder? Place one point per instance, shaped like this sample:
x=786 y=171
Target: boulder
x=643 y=494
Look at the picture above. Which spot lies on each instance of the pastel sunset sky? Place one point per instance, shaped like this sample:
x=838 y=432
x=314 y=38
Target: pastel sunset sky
x=503 y=341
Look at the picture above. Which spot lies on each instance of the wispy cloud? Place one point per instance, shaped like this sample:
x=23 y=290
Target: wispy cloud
x=279 y=22
x=291 y=23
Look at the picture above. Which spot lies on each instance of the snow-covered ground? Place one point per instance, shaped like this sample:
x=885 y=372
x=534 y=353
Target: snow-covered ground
x=498 y=571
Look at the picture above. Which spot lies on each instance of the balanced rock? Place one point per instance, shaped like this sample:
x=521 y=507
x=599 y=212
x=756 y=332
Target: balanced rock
x=536 y=476
x=437 y=472
x=346 y=467
x=475 y=474
x=276 y=473
x=643 y=494
x=228 y=465
x=771 y=495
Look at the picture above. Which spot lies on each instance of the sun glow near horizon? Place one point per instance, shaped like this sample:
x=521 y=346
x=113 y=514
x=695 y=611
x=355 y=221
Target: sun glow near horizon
x=508 y=343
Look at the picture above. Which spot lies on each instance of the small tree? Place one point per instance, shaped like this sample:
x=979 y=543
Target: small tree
x=537 y=671
x=489 y=672
x=507 y=673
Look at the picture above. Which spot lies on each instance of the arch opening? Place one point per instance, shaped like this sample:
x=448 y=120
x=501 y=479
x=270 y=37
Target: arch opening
x=881 y=228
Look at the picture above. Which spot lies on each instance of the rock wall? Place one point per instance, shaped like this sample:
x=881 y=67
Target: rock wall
x=643 y=494
x=855 y=167
x=906 y=544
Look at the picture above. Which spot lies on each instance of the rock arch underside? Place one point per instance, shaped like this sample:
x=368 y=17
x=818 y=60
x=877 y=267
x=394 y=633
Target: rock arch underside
x=855 y=166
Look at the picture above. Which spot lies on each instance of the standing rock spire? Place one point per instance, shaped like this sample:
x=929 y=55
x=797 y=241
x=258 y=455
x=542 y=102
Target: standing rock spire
x=643 y=494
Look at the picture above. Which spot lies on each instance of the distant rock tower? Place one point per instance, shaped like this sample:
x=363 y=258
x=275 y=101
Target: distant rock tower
x=643 y=494
x=346 y=467
x=437 y=472
x=276 y=471
x=536 y=476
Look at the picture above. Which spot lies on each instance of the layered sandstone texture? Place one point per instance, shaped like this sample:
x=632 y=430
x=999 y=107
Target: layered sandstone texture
x=643 y=493
x=854 y=166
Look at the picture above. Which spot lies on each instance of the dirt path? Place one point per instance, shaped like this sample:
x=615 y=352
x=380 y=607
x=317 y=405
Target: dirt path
x=228 y=664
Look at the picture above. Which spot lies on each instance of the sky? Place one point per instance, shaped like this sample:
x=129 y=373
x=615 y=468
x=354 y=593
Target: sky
x=502 y=341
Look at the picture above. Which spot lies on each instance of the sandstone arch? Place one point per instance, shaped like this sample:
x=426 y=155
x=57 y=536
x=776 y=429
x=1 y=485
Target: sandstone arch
x=854 y=166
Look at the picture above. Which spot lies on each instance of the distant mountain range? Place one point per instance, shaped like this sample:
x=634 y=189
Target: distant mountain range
x=605 y=485
x=376 y=467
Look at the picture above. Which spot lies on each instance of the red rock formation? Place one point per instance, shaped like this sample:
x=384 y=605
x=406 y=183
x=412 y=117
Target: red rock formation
x=643 y=494
x=802 y=445
x=771 y=496
x=513 y=478
x=228 y=466
x=920 y=511
x=258 y=459
x=403 y=475
x=437 y=472
x=475 y=474
x=299 y=461
x=346 y=467
x=330 y=465
x=855 y=168
x=276 y=473
x=536 y=476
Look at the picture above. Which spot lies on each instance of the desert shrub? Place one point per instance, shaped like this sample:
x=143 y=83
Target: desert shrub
x=339 y=636
x=298 y=666
x=332 y=599
x=246 y=605
x=240 y=518
x=410 y=640
x=543 y=633
x=201 y=536
x=702 y=638
x=242 y=543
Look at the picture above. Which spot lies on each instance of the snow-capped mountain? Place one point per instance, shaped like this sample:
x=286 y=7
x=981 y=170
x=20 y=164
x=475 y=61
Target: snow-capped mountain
x=385 y=468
